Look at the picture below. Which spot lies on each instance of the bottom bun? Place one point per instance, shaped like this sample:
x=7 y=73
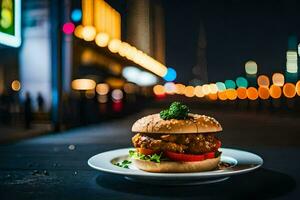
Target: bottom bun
x=177 y=167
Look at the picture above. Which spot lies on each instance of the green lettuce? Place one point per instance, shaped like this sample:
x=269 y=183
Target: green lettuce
x=154 y=157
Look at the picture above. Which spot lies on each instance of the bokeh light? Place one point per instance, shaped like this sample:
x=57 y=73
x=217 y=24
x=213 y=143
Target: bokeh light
x=291 y=61
x=251 y=67
x=230 y=84
x=114 y=45
x=88 y=33
x=102 y=98
x=179 y=88
x=263 y=92
x=213 y=88
x=278 y=79
x=170 y=88
x=83 y=84
x=170 y=75
x=117 y=95
x=159 y=90
x=231 y=94
x=199 y=91
x=289 y=90
x=263 y=81
x=102 y=88
x=213 y=96
x=76 y=15
x=102 y=39
x=205 y=89
x=221 y=86
x=68 y=28
x=222 y=95
x=241 y=82
x=275 y=91
x=15 y=85
x=189 y=91
x=242 y=93
x=252 y=93
x=298 y=88
x=79 y=31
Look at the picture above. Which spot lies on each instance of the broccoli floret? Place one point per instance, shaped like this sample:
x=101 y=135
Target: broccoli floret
x=177 y=110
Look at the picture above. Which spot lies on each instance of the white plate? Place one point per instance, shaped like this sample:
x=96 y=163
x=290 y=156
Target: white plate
x=241 y=162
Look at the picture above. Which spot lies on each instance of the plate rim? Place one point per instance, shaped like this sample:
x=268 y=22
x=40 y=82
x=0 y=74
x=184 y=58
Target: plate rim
x=209 y=174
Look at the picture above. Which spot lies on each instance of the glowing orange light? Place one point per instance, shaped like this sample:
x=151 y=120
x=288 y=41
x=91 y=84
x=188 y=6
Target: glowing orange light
x=102 y=88
x=289 y=90
x=263 y=81
x=252 y=93
x=213 y=96
x=242 y=93
x=275 y=91
x=159 y=90
x=179 y=88
x=199 y=91
x=231 y=94
x=16 y=85
x=78 y=31
x=102 y=39
x=114 y=45
x=189 y=91
x=298 y=88
x=263 y=92
x=222 y=95
x=83 y=84
x=278 y=79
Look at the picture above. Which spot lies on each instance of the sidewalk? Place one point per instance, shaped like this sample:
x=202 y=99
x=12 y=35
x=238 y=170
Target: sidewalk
x=13 y=133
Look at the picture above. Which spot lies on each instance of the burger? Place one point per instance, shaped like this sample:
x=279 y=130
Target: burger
x=176 y=140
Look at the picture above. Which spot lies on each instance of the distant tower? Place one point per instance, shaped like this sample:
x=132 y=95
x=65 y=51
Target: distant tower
x=200 y=69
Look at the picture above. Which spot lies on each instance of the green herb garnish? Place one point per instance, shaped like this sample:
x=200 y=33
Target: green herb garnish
x=154 y=157
x=176 y=110
x=123 y=164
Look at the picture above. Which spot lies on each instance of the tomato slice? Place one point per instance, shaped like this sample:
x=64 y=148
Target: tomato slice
x=209 y=155
x=184 y=157
x=146 y=151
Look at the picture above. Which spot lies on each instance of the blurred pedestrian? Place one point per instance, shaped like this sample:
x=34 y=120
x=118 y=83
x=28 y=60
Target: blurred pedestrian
x=27 y=111
x=41 y=102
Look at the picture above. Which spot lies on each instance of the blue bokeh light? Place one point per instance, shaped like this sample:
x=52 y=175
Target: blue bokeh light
x=170 y=75
x=76 y=15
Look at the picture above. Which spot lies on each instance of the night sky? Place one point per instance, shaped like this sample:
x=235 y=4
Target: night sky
x=236 y=31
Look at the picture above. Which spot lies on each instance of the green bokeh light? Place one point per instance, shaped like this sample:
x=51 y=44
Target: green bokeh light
x=241 y=82
x=221 y=86
x=230 y=84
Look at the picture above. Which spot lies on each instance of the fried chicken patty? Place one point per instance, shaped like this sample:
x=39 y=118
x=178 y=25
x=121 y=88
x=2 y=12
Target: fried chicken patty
x=182 y=143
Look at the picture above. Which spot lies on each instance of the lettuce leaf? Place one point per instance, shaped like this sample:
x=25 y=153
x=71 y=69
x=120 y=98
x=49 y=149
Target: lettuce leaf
x=155 y=157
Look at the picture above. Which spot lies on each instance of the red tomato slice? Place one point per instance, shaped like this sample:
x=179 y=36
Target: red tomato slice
x=184 y=157
x=146 y=151
x=209 y=155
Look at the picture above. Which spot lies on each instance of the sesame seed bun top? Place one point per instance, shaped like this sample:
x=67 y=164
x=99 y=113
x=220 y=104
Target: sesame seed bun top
x=193 y=124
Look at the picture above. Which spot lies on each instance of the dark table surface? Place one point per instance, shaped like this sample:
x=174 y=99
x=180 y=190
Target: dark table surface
x=55 y=166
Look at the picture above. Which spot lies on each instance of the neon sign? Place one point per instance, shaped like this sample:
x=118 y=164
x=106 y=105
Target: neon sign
x=10 y=22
